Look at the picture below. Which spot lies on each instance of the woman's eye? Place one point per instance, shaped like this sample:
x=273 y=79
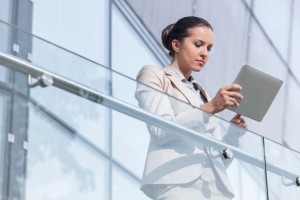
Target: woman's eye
x=198 y=44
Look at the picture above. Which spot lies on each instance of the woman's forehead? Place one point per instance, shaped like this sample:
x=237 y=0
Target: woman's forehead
x=200 y=32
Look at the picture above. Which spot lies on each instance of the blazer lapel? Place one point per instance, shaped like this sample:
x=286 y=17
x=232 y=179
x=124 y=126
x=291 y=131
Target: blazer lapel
x=180 y=85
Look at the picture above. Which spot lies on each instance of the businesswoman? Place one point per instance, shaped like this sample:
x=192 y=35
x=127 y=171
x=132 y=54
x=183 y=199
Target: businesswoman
x=177 y=167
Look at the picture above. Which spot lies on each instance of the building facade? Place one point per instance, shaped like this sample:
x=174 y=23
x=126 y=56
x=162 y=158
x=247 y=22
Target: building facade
x=55 y=145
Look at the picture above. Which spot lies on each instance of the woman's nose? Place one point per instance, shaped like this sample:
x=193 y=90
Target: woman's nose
x=204 y=52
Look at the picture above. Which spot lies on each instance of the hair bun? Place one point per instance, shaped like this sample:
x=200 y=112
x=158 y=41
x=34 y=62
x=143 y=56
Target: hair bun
x=165 y=36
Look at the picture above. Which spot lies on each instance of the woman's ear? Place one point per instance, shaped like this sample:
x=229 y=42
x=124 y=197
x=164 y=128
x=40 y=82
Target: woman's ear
x=175 y=45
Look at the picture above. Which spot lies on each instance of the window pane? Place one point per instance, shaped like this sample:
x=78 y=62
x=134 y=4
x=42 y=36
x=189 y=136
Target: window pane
x=4 y=47
x=129 y=52
x=3 y=133
x=295 y=44
x=266 y=59
x=81 y=27
x=85 y=119
x=4 y=74
x=230 y=40
x=277 y=29
x=126 y=187
x=291 y=135
x=130 y=153
x=60 y=164
x=5 y=10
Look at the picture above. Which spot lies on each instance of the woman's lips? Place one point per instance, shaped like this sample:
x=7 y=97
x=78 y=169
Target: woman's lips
x=201 y=62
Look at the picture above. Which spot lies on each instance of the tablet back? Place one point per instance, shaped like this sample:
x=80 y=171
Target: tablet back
x=258 y=89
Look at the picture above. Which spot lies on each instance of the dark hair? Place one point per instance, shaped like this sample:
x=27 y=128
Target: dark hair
x=179 y=31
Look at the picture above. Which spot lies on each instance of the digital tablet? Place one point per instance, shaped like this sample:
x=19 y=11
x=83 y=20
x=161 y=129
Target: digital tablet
x=258 y=89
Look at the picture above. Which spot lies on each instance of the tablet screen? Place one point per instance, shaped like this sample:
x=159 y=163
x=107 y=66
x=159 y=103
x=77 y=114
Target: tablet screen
x=258 y=89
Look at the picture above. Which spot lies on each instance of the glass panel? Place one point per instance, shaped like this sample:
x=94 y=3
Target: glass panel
x=266 y=59
x=281 y=185
x=80 y=117
x=249 y=2
x=129 y=53
x=125 y=187
x=60 y=164
x=54 y=141
x=81 y=27
x=279 y=35
x=128 y=152
x=4 y=10
x=245 y=176
x=66 y=64
x=5 y=33
x=295 y=47
x=290 y=135
x=4 y=74
x=4 y=47
x=59 y=124
x=62 y=62
x=3 y=132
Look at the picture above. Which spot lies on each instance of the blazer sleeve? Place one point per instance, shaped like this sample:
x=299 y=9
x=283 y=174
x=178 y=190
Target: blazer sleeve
x=150 y=93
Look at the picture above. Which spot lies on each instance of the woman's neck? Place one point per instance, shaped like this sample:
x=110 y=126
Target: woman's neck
x=185 y=73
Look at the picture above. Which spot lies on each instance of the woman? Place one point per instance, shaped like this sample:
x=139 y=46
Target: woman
x=176 y=167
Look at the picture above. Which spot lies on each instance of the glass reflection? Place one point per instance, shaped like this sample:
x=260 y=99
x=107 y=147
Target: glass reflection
x=83 y=118
x=4 y=74
x=3 y=132
x=125 y=187
x=67 y=24
x=278 y=39
x=60 y=61
x=281 y=185
x=59 y=164
x=290 y=134
x=129 y=51
x=267 y=60
x=295 y=40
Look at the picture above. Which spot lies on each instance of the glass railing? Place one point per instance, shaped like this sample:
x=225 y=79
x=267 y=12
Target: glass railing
x=277 y=158
x=88 y=135
x=53 y=58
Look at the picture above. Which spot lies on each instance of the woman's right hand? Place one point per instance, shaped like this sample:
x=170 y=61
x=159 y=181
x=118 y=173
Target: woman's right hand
x=225 y=97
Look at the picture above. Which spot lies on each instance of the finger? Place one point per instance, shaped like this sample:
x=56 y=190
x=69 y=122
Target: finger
x=235 y=95
x=238 y=121
x=233 y=87
x=242 y=122
x=232 y=102
x=244 y=125
x=236 y=116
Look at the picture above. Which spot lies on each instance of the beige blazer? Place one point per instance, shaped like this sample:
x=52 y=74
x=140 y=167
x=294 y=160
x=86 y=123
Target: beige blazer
x=174 y=159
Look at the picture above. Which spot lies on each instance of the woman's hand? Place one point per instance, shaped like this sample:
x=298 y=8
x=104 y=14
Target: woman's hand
x=238 y=120
x=225 y=97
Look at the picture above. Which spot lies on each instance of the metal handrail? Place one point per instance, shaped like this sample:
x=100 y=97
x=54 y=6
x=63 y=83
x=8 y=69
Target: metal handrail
x=133 y=111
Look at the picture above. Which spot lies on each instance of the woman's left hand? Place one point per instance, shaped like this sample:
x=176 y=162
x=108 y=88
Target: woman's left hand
x=238 y=120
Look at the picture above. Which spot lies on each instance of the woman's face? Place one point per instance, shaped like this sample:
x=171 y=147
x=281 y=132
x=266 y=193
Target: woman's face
x=192 y=53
